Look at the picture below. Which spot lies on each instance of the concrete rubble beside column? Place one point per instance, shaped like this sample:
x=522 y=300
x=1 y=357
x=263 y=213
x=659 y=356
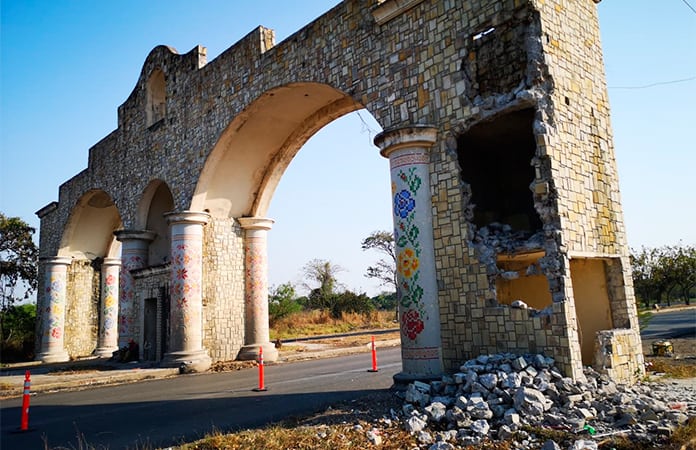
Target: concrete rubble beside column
x=496 y=396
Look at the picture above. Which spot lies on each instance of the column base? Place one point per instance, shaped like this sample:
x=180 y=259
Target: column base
x=402 y=379
x=53 y=357
x=251 y=352
x=188 y=362
x=105 y=352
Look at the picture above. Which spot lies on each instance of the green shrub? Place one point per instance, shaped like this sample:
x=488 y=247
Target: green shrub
x=282 y=302
x=348 y=302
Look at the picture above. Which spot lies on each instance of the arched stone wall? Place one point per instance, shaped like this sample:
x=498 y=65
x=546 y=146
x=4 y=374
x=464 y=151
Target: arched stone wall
x=229 y=128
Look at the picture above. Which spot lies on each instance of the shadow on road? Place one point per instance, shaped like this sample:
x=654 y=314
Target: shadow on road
x=135 y=425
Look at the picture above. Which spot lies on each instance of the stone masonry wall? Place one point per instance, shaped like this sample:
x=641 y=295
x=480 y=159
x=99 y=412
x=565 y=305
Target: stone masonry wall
x=223 y=294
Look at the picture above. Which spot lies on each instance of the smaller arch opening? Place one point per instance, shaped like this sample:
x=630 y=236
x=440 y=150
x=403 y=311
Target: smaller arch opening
x=156 y=97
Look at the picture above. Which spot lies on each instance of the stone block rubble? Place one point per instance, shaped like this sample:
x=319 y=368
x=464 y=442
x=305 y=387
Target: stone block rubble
x=495 y=396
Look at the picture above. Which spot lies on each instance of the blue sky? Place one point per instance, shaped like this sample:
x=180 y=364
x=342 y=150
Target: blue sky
x=67 y=65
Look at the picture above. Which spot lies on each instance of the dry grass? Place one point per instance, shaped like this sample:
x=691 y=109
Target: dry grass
x=336 y=437
x=320 y=322
x=674 y=368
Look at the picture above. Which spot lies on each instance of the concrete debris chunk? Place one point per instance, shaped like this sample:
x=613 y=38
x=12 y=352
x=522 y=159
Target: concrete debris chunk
x=414 y=424
x=374 y=437
x=480 y=427
x=550 y=445
x=436 y=411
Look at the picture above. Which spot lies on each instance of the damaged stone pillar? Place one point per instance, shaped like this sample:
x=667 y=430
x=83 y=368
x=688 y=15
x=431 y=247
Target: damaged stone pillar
x=108 y=327
x=186 y=291
x=53 y=323
x=408 y=150
x=256 y=333
x=134 y=250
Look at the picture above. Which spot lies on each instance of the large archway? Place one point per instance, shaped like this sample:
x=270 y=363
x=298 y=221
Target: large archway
x=88 y=241
x=247 y=162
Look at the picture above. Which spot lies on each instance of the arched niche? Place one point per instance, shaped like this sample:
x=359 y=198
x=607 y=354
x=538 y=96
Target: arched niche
x=156 y=200
x=156 y=97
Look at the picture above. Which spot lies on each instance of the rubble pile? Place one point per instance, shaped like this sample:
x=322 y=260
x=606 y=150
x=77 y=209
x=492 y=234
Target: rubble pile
x=495 y=396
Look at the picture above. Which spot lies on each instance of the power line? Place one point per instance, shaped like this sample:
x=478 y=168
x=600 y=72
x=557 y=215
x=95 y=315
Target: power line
x=690 y=7
x=659 y=83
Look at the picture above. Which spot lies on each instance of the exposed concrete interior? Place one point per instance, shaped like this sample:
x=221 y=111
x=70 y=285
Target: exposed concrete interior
x=591 y=302
x=523 y=280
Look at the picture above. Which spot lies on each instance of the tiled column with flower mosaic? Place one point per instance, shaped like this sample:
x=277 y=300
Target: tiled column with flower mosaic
x=186 y=291
x=408 y=150
x=256 y=333
x=53 y=316
x=108 y=323
x=134 y=250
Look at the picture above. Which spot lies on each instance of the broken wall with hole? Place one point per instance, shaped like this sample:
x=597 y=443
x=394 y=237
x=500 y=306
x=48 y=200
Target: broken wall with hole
x=539 y=260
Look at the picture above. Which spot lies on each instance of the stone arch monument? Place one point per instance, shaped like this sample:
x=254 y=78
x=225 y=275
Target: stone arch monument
x=507 y=215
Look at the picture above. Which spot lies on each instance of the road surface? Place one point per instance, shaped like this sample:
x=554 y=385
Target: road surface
x=165 y=412
x=671 y=325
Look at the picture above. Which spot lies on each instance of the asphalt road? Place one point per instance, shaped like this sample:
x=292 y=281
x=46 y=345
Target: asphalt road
x=159 y=413
x=671 y=325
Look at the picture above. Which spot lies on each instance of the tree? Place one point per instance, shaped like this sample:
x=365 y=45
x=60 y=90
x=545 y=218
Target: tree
x=646 y=277
x=680 y=263
x=658 y=272
x=385 y=269
x=18 y=268
x=323 y=272
x=282 y=301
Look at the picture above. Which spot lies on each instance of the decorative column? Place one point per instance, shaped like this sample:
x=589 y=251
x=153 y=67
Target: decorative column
x=408 y=150
x=186 y=291
x=108 y=328
x=134 y=250
x=53 y=329
x=256 y=332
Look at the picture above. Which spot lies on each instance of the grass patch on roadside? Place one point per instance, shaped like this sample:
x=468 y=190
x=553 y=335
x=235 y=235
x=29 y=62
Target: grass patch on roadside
x=320 y=437
x=320 y=322
x=644 y=316
x=674 y=368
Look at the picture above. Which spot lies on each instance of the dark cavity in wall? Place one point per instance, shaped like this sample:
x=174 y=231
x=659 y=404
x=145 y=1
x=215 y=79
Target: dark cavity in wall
x=495 y=157
x=499 y=53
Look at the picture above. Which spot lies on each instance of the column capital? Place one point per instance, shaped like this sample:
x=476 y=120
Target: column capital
x=56 y=260
x=255 y=223
x=187 y=217
x=111 y=262
x=127 y=235
x=394 y=139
